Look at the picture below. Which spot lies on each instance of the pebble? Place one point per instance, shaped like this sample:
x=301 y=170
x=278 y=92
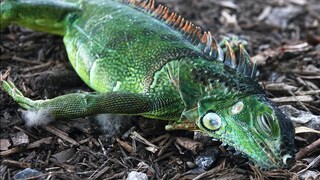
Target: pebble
x=134 y=175
x=207 y=158
x=190 y=164
x=205 y=162
x=26 y=174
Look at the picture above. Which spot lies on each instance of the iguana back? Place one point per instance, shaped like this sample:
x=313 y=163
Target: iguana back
x=120 y=48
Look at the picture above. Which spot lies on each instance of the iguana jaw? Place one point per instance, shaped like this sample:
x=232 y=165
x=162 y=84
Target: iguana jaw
x=257 y=129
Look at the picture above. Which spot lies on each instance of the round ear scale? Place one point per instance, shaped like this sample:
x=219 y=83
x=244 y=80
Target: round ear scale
x=237 y=108
x=211 y=121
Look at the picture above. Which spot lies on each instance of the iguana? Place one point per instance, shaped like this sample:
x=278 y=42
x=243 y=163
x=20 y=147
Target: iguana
x=142 y=59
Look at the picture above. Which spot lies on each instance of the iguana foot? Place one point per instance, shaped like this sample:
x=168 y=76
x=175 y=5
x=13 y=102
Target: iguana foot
x=35 y=114
x=17 y=95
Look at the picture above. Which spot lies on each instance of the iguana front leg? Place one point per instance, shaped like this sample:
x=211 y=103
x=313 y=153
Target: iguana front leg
x=79 y=105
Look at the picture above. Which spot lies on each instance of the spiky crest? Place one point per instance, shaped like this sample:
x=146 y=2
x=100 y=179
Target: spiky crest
x=204 y=40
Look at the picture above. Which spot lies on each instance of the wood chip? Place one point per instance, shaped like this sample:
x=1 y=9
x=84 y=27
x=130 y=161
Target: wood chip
x=35 y=144
x=152 y=148
x=125 y=145
x=60 y=134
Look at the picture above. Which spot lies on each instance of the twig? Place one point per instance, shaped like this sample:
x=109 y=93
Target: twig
x=60 y=134
x=305 y=151
x=313 y=163
x=125 y=145
x=44 y=65
x=102 y=147
x=35 y=144
x=97 y=171
x=299 y=101
x=164 y=156
x=152 y=148
x=310 y=92
x=101 y=172
x=9 y=162
x=28 y=133
x=293 y=99
x=23 y=60
x=6 y=74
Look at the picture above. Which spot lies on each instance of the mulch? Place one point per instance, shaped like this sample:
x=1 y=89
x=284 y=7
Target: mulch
x=283 y=37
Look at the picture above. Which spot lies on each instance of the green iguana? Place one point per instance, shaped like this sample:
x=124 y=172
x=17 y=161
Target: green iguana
x=142 y=59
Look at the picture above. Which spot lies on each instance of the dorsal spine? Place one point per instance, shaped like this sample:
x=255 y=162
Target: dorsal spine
x=204 y=40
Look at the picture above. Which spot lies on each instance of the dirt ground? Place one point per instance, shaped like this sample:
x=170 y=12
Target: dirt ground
x=283 y=37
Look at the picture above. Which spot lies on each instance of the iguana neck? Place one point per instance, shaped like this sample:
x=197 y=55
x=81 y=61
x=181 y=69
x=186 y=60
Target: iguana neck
x=200 y=78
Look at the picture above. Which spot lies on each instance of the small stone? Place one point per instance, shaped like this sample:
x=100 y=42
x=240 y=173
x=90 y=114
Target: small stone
x=205 y=162
x=4 y=144
x=308 y=174
x=27 y=174
x=63 y=156
x=190 y=164
x=20 y=139
x=134 y=175
x=207 y=158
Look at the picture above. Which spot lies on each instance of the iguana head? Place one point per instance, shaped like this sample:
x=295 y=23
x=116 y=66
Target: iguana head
x=253 y=126
x=231 y=106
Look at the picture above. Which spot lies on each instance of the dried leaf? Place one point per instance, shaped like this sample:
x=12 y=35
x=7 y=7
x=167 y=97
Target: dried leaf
x=303 y=129
x=189 y=144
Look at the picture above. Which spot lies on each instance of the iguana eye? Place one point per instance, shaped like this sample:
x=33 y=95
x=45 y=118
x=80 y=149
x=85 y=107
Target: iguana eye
x=211 y=121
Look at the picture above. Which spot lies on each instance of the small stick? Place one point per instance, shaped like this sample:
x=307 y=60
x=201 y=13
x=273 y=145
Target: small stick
x=305 y=151
x=23 y=60
x=13 y=163
x=30 y=146
x=60 y=134
x=286 y=99
x=152 y=148
x=125 y=145
x=44 y=65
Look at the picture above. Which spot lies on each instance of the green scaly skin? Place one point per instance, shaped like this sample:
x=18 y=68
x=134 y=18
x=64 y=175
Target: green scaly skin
x=139 y=65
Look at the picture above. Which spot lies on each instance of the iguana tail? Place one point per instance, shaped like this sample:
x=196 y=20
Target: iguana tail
x=41 y=15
